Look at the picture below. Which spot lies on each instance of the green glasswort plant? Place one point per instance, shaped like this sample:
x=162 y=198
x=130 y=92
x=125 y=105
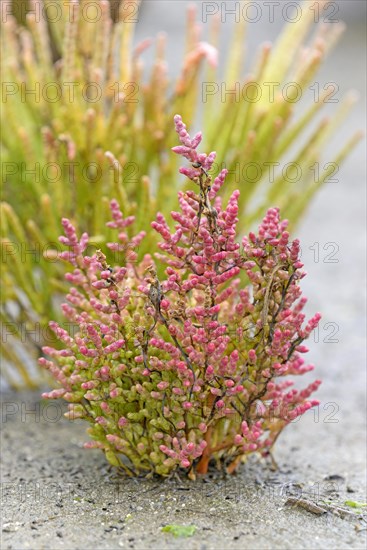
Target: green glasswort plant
x=82 y=123
x=173 y=372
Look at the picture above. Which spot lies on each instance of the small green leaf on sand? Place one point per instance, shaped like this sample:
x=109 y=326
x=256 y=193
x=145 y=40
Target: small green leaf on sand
x=180 y=530
x=354 y=504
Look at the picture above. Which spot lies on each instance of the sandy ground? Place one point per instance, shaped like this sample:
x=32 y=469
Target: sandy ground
x=57 y=495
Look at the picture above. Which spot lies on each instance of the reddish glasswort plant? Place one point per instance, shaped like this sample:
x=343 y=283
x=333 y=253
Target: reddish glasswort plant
x=176 y=372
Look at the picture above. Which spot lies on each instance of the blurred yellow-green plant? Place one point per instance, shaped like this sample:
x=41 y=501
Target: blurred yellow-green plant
x=83 y=122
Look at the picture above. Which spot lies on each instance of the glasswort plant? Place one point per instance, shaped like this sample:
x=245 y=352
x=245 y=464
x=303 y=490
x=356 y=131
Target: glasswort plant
x=174 y=371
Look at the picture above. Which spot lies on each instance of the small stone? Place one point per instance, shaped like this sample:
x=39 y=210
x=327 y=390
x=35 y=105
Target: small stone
x=11 y=527
x=334 y=477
